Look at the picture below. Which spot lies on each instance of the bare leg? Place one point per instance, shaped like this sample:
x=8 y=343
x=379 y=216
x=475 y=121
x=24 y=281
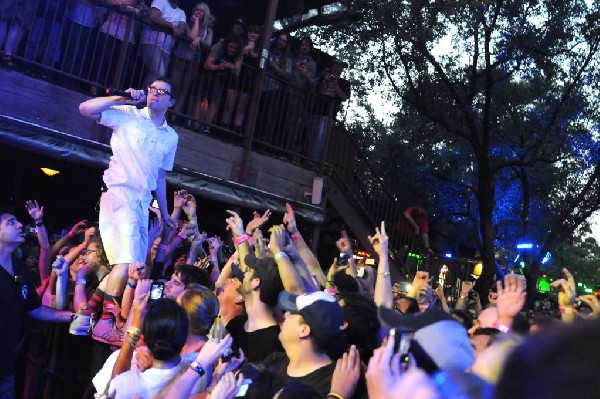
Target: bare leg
x=241 y=109
x=229 y=105
x=116 y=280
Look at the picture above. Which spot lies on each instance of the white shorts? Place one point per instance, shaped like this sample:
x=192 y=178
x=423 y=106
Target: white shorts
x=124 y=229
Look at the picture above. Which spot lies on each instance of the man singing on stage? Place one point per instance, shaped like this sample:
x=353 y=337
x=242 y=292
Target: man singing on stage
x=143 y=147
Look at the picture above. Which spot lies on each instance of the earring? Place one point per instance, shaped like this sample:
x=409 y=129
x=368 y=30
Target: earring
x=239 y=298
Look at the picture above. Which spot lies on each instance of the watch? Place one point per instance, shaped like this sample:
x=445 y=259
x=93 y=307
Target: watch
x=197 y=368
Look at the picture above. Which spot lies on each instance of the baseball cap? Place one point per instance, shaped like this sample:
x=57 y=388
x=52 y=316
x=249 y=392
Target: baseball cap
x=270 y=280
x=236 y=272
x=442 y=338
x=318 y=309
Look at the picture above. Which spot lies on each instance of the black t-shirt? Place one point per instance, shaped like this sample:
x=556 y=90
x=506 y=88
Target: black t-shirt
x=257 y=345
x=17 y=297
x=320 y=379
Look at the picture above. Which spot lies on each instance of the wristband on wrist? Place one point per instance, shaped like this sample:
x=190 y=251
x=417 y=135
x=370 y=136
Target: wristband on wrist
x=134 y=331
x=39 y=223
x=197 y=367
x=80 y=281
x=241 y=239
x=280 y=255
x=334 y=395
x=131 y=284
x=70 y=234
x=384 y=274
x=40 y=228
x=501 y=327
x=565 y=309
x=296 y=236
x=181 y=235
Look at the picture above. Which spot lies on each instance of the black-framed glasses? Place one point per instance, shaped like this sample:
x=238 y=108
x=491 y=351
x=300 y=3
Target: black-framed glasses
x=156 y=90
x=88 y=251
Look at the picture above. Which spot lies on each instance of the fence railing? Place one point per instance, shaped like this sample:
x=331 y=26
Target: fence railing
x=88 y=46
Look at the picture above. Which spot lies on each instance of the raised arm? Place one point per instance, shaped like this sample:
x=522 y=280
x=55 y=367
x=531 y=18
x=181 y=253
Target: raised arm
x=37 y=214
x=93 y=107
x=511 y=299
x=290 y=277
x=566 y=296
x=61 y=268
x=236 y=225
x=289 y=220
x=78 y=228
x=383 y=283
x=132 y=336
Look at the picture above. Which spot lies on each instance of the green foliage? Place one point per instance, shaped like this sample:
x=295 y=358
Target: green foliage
x=581 y=257
x=496 y=109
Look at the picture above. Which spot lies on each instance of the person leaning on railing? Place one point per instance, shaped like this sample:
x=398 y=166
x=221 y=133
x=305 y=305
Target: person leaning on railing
x=187 y=57
x=121 y=14
x=157 y=44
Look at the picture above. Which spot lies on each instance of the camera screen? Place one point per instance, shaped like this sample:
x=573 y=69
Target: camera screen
x=156 y=292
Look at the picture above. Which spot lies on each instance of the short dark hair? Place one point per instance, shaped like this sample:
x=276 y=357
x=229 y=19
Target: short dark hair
x=254 y=28
x=360 y=313
x=190 y=274
x=306 y=39
x=489 y=331
x=165 y=328
x=168 y=81
x=6 y=211
x=233 y=38
x=567 y=353
x=466 y=317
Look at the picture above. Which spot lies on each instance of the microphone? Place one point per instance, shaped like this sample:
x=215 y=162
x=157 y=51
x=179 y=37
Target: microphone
x=117 y=92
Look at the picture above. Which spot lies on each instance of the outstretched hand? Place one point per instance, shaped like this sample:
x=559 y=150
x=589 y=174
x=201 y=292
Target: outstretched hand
x=78 y=228
x=346 y=373
x=289 y=219
x=257 y=221
x=343 y=244
x=60 y=265
x=235 y=224
x=511 y=297
x=380 y=240
x=35 y=211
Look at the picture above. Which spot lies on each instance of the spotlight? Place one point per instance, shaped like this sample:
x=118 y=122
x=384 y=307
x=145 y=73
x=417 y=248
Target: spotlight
x=50 y=172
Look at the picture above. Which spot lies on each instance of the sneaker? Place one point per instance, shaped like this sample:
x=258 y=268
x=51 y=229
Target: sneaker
x=106 y=331
x=81 y=325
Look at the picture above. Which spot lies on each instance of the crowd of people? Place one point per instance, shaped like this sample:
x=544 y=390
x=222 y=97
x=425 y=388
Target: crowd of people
x=121 y=43
x=267 y=321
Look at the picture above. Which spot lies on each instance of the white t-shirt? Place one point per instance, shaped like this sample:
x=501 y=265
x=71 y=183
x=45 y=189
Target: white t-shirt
x=139 y=149
x=169 y=14
x=135 y=383
x=146 y=385
x=116 y=26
